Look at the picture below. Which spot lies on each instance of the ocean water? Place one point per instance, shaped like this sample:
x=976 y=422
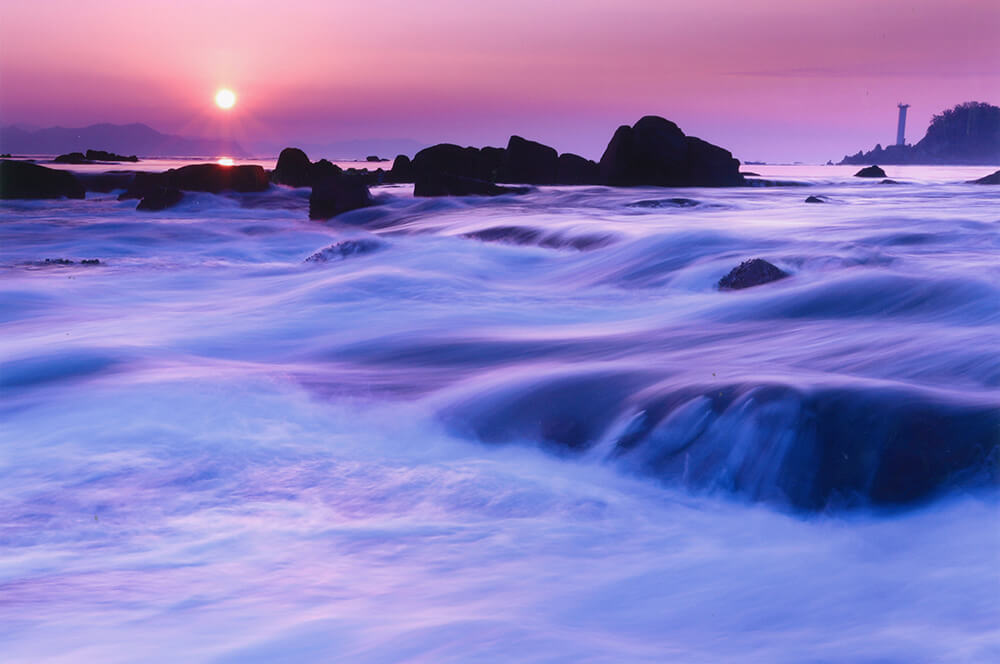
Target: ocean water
x=521 y=429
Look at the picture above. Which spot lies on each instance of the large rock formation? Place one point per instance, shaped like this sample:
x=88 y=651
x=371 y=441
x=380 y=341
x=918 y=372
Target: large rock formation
x=969 y=133
x=574 y=169
x=529 y=162
x=655 y=151
x=20 y=179
x=213 y=178
x=293 y=169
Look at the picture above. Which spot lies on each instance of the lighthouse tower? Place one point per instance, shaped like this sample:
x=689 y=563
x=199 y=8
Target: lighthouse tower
x=901 y=127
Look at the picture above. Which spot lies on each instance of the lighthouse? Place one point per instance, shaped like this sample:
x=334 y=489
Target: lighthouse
x=901 y=127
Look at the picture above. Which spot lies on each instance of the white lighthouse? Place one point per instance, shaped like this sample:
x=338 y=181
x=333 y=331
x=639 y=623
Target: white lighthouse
x=901 y=127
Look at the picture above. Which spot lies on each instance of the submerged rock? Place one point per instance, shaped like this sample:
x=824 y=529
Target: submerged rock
x=992 y=178
x=665 y=203
x=870 y=172
x=817 y=199
x=655 y=151
x=445 y=184
x=20 y=179
x=160 y=198
x=341 y=250
x=753 y=272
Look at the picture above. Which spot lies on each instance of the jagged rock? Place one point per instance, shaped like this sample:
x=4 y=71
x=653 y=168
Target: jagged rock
x=655 y=151
x=529 y=162
x=293 y=169
x=445 y=184
x=160 y=198
x=102 y=155
x=20 y=179
x=341 y=250
x=870 y=172
x=750 y=273
x=992 y=178
x=337 y=194
x=816 y=199
x=574 y=169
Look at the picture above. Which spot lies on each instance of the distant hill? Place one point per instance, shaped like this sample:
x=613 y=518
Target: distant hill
x=966 y=134
x=137 y=139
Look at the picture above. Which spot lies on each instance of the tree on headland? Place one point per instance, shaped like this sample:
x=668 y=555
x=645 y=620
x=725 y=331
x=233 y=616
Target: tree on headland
x=968 y=133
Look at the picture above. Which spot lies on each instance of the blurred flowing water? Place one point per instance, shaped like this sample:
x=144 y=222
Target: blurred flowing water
x=521 y=429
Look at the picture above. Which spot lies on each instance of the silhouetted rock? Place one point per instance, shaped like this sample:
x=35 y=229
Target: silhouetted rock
x=293 y=169
x=489 y=164
x=574 y=169
x=102 y=155
x=20 y=179
x=870 y=172
x=72 y=158
x=749 y=273
x=215 y=178
x=446 y=158
x=992 y=178
x=106 y=182
x=749 y=174
x=338 y=194
x=529 y=162
x=324 y=169
x=402 y=170
x=655 y=151
x=445 y=184
x=160 y=198
x=816 y=199
x=373 y=157
x=888 y=181
x=142 y=184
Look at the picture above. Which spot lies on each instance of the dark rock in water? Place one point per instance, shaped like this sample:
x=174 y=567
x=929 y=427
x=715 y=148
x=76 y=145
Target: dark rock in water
x=72 y=158
x=445 y=184
x=324 y=169
x=490 y=164
x=213 y=178
x=338 y=194
x=993 y=178
x=160 y=198
x=870 y=172
x=90 y=261
x=293 y=169
x=402 y=170
x=529 y=162
x=446 y=158
x=20 y=179
x=666 y=203
x=888 y=181
x=524 y=235
x=341 y=250
x=102 y=155
x=816 y=199
x=749 y=174
x=655 y=151
x=106 y=182
x=574 y=169
x=750 y=273
x=57 y=261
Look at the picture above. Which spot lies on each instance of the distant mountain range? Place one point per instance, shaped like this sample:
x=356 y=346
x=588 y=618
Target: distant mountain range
x=137 y=139
x=144 y=141
x=966 y=134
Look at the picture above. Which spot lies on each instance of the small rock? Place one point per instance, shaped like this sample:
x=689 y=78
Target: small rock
x=870 y=172
x=342 y=250
x=749 y=273
x=816 y=199
x=160 y=198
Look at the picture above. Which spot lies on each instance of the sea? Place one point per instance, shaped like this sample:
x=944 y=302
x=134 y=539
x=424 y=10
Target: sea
x=515 y=429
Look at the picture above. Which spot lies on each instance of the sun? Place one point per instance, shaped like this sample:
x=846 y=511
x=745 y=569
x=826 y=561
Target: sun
x=225 y=98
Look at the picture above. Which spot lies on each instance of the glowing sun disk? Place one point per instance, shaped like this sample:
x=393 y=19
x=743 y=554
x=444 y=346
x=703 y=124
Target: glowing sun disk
x=225 y=98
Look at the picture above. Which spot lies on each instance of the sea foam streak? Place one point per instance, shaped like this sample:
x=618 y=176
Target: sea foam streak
x=497 y=439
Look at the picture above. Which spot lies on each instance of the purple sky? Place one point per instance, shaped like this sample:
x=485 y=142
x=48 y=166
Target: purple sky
x=805 y=80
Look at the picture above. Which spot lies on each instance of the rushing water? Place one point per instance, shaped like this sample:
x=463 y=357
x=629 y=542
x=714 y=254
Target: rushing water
x=522 y=429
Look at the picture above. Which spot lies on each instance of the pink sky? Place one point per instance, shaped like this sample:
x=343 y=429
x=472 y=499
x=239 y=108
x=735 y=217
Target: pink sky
x=776 y=80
